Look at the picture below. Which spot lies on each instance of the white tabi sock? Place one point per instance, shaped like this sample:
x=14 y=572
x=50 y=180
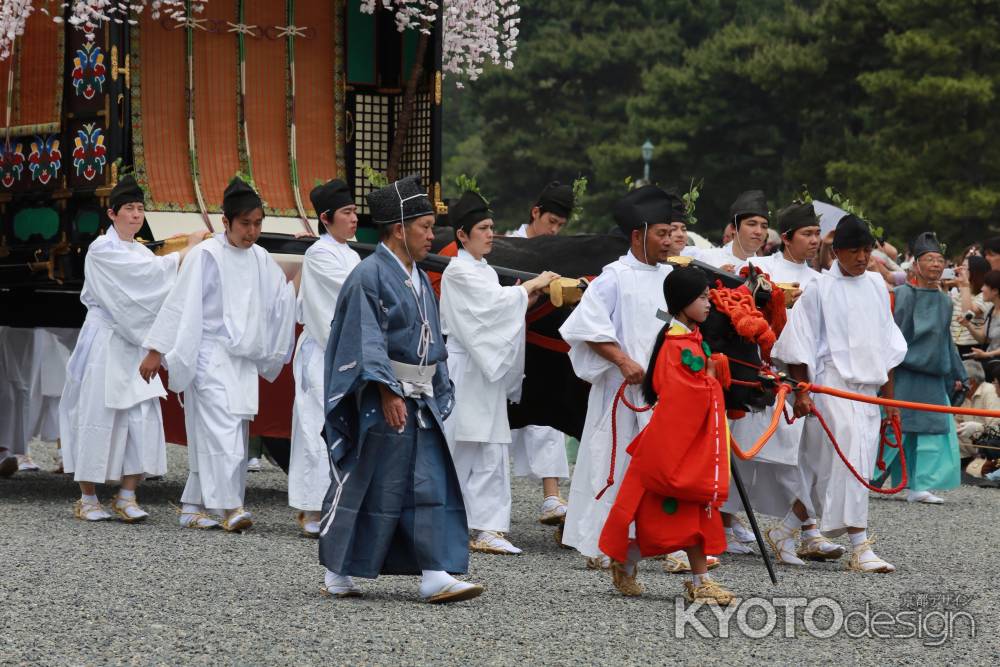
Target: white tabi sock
x=791 y=522
x=811 y=532
x=696 y=579
x=336 y=583
x=632 y=558
x=859 y=539
x=188 y=508
x=433 y=581
x=90 y=500
x=125 y=494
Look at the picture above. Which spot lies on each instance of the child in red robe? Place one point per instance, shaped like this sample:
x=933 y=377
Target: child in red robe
x=678 y=476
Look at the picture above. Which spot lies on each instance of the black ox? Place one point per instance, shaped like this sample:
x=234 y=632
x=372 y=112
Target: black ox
x=552 y=395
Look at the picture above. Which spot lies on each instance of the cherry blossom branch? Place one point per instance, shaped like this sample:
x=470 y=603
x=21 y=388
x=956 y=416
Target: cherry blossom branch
x=475 y=31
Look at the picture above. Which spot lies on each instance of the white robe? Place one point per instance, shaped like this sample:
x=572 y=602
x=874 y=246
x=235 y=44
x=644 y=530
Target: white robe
x=772 y=478
x=325 y=267
x=620 y=306
x=52 y=349
x=538 y=452
x=842 y=330
x=485 y=326
x=110 y=418
x=719 y=257
x=229 y=318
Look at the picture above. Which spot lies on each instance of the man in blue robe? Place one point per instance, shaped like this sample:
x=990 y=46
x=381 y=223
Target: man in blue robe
x=931 y=372
x=394 y=505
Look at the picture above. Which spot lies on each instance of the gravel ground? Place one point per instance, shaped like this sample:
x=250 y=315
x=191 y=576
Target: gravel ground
x=108 y=593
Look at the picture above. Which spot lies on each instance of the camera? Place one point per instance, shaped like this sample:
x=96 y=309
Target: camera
x=968 y=315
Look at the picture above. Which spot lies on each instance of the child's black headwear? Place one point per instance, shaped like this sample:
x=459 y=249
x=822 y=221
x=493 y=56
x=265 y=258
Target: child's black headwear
x=682 y=286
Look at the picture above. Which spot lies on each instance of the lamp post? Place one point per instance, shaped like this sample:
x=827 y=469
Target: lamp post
x=647 y=157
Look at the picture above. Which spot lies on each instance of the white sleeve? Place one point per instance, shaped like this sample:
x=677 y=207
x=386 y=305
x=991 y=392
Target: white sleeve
x=486 y=319
x=591 y=322
x=323 y=275
x=798 y=343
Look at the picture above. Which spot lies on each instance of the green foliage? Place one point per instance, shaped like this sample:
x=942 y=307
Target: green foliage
x=579 y=192
x=466 y=183
x=244 y=176
x=842 y=202
x=892 y=101
x=549 y=118
x=691 y=200
x=376 y=178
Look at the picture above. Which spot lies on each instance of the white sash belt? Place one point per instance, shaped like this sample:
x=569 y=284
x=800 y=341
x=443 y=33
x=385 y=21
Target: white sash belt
x=415 y=380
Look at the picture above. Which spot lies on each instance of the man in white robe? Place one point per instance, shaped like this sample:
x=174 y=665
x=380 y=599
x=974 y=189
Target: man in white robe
x=8 y=460
x=841 y=334
x=749 y=217
x=539 y=452
x=16 y=352
x=325 y=267
x=773 y=478
x=611 y=335
x=485 y=326
x=52 y=349
x=109 y=419
x=32 y=374
x=229 y=318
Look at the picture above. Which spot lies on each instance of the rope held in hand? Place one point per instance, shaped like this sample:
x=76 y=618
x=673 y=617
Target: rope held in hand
x=883 y=443
x=771 y=428
x=619 y=396
x=783 y=390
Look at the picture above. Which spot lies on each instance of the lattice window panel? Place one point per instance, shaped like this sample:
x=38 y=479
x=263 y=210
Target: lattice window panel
x=371 y=141
x=417 y=154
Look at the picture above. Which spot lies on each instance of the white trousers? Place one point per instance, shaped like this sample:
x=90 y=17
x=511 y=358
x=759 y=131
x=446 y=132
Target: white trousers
x=217 y=447
x=771 y=487
x=102 y=444
x=13 y=417
x=539 y=452
x=483 y=473
x=309 y=463
x=838 y=497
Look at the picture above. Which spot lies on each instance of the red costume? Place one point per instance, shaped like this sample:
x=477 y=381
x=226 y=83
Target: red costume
x=678 y=476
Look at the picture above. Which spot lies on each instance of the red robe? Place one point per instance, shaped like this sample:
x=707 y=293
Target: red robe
x=678 y=477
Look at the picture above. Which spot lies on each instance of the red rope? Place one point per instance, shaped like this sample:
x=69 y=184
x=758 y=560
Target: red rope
x=883 y=442
x=619 y=396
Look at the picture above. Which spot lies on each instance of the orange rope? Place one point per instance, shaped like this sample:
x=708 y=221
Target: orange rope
x=893 y=403
x=771 y=428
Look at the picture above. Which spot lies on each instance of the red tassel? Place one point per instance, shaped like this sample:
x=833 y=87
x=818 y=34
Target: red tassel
x=722 y=371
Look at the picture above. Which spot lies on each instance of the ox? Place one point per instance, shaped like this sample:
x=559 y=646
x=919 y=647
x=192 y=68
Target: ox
x=552 y=395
